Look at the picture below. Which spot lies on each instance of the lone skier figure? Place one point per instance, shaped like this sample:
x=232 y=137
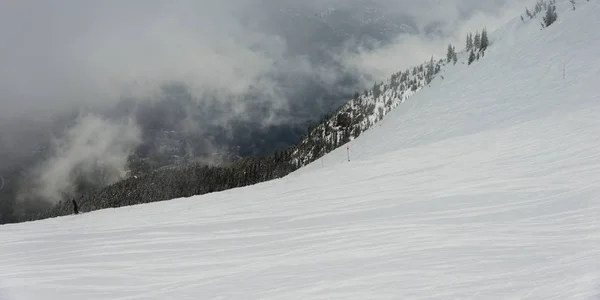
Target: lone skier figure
x=75 y=208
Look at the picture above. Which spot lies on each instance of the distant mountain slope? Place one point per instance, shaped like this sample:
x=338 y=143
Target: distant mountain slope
x=363 y=111
x=346 y=123
x=180 y=127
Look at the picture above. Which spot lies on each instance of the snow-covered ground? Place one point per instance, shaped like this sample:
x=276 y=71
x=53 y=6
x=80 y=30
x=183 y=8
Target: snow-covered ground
x=485 y=185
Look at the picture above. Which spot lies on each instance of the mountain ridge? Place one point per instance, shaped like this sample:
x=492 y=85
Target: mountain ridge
x=346 y=123
x=343 y=125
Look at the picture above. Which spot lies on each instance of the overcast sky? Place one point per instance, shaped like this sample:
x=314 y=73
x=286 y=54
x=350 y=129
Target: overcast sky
x=55 y=53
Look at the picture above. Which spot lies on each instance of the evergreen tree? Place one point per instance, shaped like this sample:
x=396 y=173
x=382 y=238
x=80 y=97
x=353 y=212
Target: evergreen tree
x=528 y=13
x=550 y=16
x=430 y=71
x=376 y=90
x=469 y=41
x=477 y=41
x=471 y=57
x=484 y=40
x=538 y=7
x=449 y=53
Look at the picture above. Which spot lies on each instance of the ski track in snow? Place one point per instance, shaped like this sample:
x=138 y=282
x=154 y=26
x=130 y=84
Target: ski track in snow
x=483 y=186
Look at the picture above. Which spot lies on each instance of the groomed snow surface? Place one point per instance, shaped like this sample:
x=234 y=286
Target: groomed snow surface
x=485 y=185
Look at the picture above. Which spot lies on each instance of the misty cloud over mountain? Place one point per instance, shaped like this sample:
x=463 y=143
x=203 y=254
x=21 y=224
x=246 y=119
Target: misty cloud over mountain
x=89 y=89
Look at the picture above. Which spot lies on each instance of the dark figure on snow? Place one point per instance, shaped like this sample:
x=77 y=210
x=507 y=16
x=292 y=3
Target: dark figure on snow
x=75 y=209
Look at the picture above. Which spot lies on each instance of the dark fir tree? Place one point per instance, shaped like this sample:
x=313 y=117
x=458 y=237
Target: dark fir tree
x=550 y=16
x=477 y=41
x=429 y=73
x=538 y=7
x=484 y=40
x=449 y=53
x=376 y=90
x=469 y=41
x=471 y=57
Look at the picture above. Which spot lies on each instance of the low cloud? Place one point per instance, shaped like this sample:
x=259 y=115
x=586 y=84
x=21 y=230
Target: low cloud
x=442 y=23
x=92 y=151
x=92 y=54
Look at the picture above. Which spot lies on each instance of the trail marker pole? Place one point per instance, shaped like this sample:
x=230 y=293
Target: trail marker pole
x=348 y=150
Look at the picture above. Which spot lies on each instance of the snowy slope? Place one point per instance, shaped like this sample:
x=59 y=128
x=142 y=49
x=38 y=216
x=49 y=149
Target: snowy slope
x=483 y=186
x=363 y=111
x=519 y=79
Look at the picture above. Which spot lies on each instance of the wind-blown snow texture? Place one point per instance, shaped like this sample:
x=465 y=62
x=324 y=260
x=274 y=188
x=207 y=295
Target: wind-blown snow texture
x=483 y=186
